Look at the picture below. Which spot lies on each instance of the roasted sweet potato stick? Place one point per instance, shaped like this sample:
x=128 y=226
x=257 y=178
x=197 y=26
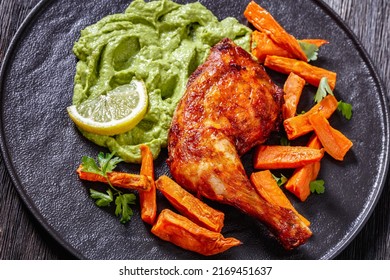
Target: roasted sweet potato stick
x=310 y=73
x=262 y=45
x=184 y=233
x=264 y=22
x=299 y=182
x=266 y=186
x=334 y=142
x=317 y=42
x=292 y=92
x=281 y=157
x=300 y=125
x=147 y=199
x=190 y=206
x=118 y=179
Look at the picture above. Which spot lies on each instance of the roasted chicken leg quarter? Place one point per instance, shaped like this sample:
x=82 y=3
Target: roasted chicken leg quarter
x=230 y=105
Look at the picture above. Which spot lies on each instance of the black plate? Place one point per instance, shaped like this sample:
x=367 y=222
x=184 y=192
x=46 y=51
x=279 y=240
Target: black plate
x=42 y=148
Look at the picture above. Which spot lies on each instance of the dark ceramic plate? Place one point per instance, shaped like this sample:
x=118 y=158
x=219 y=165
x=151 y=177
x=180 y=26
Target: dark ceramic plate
x=42 y=148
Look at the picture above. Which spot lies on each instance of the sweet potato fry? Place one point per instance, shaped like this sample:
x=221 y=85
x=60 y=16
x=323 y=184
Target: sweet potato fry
x=292 y=92
x=186 y=234
x=262 y=45
x=267 y=187
x=190 y=206
x=299 y=182
x=281 y=157
x=310 y=73
x=118 y=179
x=300 y=125
x=334 y=142
x=147 y=199
x=264 y=22
x=317 y=42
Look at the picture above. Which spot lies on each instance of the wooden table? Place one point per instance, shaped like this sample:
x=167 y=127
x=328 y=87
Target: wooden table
x=21 y=237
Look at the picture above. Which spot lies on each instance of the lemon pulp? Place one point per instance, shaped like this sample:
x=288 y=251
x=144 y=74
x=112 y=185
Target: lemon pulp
x=116 y=112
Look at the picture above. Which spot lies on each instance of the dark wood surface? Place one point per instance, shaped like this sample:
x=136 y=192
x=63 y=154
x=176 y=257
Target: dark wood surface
x=21 y=237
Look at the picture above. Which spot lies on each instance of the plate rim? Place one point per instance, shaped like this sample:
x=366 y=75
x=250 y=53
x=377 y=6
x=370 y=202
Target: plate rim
x=342 y=244
x=26 y=200
x=331 y=254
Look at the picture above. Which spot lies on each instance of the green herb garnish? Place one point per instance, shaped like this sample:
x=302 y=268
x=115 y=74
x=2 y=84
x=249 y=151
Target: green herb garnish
x=310 y=50
x=280 y=180
x=107 y=163
x=345 y=109
x=317 y=186
x=323 y=90
x=102 y=199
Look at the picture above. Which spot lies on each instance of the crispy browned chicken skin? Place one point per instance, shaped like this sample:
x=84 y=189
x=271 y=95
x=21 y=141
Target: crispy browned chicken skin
x=230 y=106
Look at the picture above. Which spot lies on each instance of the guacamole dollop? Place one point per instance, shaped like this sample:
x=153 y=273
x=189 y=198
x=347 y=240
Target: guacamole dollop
x=160 y=42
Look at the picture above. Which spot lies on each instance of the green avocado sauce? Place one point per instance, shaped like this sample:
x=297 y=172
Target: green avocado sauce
x=160 y=42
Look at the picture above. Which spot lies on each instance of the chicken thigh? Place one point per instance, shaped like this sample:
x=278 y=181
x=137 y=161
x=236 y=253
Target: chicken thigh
x=230 y=105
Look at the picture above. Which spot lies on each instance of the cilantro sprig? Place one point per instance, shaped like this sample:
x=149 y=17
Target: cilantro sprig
x=106 y=163
x=323 y=90
x=102 y=199
x=345 y=109
x=310 y=50
x=317 y=186
x=280 y=180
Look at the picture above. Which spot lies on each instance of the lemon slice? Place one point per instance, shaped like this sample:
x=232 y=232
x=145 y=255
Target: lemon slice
x=116 y=112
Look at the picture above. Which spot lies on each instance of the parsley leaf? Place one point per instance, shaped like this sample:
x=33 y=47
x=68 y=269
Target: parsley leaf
x=310 y=50
x=123 y=209
x=345 y=109
x=89 y=165
x=280 y=181
x=323 y=90
x=102 y=199
x=107 y=163
x=317 y=186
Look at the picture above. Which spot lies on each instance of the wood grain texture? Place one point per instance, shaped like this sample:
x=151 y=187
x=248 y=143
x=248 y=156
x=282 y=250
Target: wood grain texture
x=21 y=237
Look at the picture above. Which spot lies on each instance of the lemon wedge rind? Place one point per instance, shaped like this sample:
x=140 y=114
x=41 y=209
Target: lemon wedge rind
x=114 y=126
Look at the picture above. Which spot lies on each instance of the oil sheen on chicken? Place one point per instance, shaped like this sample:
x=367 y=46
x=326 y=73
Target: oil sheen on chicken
x=230 y=105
